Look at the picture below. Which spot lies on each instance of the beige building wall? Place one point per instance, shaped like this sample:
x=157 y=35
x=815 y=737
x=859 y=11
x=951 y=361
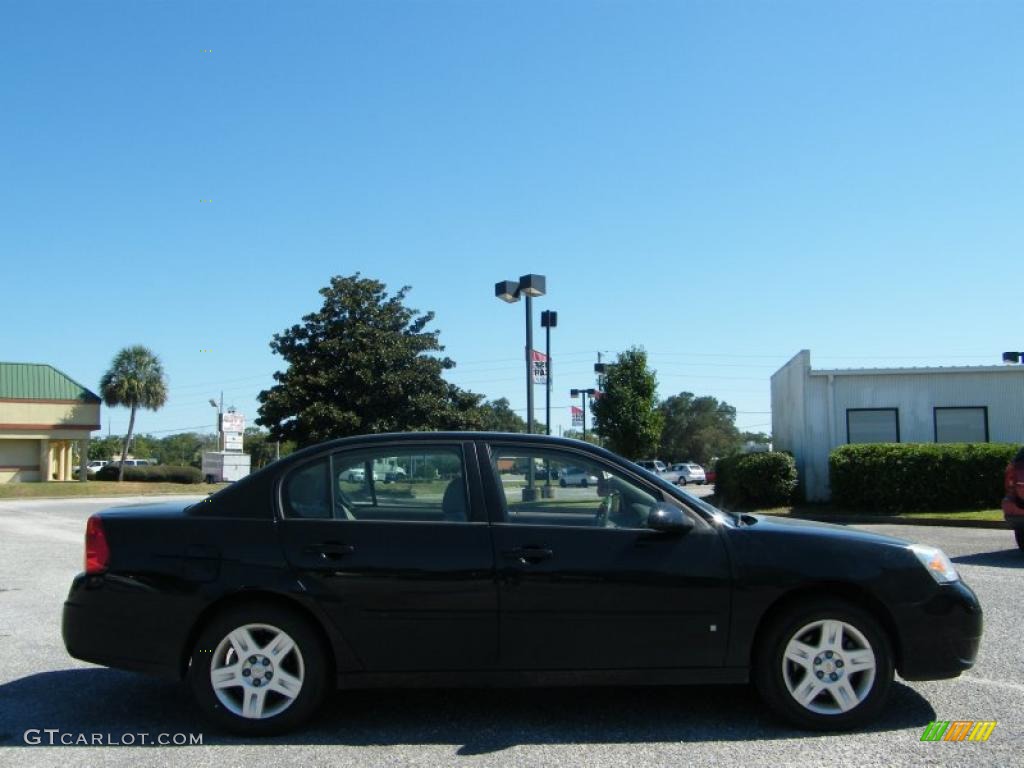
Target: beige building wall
x=37 y=437
x=19 y=460
x=46 y=415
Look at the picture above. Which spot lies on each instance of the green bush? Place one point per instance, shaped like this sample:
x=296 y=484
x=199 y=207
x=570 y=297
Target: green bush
x=756 y=479
x=907 y=477
x=153 y=474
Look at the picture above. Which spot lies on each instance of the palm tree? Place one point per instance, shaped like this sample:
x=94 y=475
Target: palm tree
x=135 y=379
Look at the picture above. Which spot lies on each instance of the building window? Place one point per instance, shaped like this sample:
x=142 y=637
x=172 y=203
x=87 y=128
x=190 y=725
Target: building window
x=961 y=425
x=872 y=425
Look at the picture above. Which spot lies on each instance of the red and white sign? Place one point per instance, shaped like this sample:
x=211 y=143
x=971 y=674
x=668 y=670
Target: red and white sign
x=232 y=421
x=577 y=416
x=539 y=367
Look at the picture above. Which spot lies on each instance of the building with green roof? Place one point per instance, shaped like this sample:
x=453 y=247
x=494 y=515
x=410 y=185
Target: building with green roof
x=43 y=413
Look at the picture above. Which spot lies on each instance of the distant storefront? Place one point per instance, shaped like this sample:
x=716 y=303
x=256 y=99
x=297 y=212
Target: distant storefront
x=43 y=413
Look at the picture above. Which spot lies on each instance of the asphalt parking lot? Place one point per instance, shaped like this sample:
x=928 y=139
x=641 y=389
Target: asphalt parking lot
x=42 y=688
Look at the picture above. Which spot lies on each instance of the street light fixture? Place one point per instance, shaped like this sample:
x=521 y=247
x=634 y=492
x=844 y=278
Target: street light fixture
x=220 y=417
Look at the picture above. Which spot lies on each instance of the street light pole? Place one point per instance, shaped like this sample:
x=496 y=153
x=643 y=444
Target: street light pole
x=530 y=286
x=583 y=393
x=529 y=364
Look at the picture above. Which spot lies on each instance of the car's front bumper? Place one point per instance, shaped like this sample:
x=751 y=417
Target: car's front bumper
x=939 y=637
x=1013 y=511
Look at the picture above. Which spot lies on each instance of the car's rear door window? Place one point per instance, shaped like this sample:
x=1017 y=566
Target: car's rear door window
x=307 y=491
x=424 y=484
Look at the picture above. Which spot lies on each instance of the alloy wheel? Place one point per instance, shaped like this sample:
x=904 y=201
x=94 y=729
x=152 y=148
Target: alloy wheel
x=829 y=667
x=257 y=671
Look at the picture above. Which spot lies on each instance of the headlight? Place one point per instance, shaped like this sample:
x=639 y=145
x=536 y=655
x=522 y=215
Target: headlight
x=935 y=560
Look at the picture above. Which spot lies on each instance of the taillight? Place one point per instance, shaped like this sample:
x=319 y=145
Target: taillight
x=97 y=553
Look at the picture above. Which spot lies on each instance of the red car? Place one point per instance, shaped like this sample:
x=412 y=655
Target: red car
x=1013 y=504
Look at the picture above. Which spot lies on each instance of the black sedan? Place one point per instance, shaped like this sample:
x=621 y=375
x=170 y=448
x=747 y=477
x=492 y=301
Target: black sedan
x=461 y=571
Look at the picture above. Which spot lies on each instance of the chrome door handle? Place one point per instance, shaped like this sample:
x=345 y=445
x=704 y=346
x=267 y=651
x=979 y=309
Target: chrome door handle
x=528 y=554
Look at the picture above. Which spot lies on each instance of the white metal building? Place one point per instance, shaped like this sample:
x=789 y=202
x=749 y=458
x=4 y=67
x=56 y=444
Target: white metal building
x=814 y=411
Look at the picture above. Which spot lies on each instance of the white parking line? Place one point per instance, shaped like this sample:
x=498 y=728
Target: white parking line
x=42 y=528
x=996 y=683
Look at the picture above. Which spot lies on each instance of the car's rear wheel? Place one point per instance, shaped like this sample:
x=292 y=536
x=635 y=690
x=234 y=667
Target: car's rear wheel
x=259 y=670
x=825 y=665
x=1018 y=534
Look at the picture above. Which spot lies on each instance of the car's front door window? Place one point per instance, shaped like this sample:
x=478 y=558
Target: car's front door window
x=553 y=487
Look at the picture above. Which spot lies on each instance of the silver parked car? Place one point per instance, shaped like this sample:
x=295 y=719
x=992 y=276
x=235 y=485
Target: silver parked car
x=660 y=469
x=689 y=473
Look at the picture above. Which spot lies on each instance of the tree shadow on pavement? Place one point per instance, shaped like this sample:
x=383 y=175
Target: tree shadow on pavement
x=480 y=720
x=1003 y=558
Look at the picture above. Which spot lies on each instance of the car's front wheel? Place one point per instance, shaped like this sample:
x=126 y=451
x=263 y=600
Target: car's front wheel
x=259 y=670
x=825 y=665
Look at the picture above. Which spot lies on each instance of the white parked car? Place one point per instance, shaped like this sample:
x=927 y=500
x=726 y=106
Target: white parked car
x=92 y=467
x=358 y=475
x=576 y=476
x=688 y=472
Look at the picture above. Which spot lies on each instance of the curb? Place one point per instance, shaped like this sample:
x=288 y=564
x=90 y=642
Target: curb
x=100 y=498
x=938 y=520
x=897 y=520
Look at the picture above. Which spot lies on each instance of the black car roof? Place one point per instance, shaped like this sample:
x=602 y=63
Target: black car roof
x=505 y=437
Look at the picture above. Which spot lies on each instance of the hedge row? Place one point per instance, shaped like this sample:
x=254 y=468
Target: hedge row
x=907 y=477
x=157 y=474
x=756 y=479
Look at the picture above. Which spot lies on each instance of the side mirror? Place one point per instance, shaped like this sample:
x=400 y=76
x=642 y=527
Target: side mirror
x=669 y=519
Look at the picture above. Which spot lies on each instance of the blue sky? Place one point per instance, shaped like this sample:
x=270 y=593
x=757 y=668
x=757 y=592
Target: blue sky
x=722 y=183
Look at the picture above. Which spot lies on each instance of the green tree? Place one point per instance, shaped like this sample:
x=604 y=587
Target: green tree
x=362 y=363
x=104 y=448
x=498 y=416
x=760 y=438
x=184 y=449
x=626 y=415
x=577 y=434
x=134 y=380
x=144 y=447
x=697 y=428
x=262 y=449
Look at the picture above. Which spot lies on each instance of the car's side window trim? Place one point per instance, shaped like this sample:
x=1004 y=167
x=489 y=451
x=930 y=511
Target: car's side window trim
x=283 y=482
x=469 y=467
